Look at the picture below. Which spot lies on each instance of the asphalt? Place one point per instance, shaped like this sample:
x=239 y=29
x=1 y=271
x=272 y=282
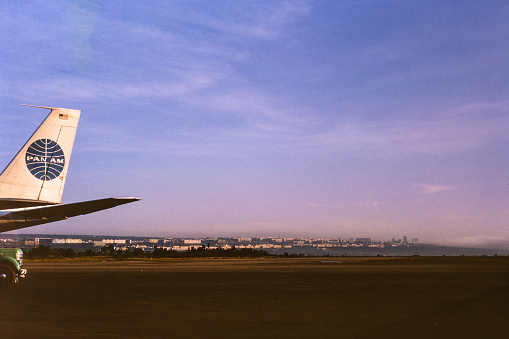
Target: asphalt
x=436 y=297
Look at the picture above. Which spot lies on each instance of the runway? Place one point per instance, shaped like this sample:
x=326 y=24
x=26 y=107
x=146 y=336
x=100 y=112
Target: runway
x=435 y=297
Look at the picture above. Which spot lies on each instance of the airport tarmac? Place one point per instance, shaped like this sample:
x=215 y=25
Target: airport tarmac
x=420 y=297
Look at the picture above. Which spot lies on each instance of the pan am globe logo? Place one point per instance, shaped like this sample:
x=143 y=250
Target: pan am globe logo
x=45 y=159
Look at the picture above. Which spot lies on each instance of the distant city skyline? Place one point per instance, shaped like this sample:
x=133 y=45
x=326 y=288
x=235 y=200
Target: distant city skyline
x=296 y=118
x=271 y=245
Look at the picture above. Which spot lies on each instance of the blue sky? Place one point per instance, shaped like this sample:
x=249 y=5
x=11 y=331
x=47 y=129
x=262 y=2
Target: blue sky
x=262 y=118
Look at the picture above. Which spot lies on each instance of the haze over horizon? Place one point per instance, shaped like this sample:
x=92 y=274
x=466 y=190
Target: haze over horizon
x=295 y=118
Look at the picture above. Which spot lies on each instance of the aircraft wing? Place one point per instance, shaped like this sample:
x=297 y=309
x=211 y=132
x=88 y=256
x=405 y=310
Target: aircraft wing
x=64 y=211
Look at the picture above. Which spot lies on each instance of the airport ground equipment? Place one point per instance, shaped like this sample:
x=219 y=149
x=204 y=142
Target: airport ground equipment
x=11 y=266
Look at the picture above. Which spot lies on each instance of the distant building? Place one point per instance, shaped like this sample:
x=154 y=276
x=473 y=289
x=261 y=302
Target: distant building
x=362 y=241
x=179 y=248
x=114 y=241
x=31 y=241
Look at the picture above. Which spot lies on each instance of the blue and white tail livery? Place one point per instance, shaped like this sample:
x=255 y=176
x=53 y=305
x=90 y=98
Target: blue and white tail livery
x=31 y=186
x=39 y=169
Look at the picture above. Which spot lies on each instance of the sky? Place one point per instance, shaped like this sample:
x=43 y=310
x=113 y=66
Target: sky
x=333 y=119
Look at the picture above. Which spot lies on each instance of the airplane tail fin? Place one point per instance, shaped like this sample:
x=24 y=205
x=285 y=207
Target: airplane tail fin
x=39 y=169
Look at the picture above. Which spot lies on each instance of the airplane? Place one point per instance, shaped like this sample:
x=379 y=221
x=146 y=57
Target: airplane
x=31 y=186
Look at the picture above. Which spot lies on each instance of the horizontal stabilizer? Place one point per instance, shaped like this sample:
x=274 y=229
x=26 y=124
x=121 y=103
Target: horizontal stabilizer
x=71 y=210
x=6 y=204
x=31 y=216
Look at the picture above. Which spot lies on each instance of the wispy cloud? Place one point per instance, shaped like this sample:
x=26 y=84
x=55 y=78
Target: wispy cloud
x=82 y=17
x=432 y=189
x=468 y=126
x=201 y=72
x=257 y=20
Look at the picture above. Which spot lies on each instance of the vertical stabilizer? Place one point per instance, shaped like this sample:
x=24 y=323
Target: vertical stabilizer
x=39 y=169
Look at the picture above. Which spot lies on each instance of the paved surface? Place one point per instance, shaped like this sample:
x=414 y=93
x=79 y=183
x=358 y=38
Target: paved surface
x=262 y=298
